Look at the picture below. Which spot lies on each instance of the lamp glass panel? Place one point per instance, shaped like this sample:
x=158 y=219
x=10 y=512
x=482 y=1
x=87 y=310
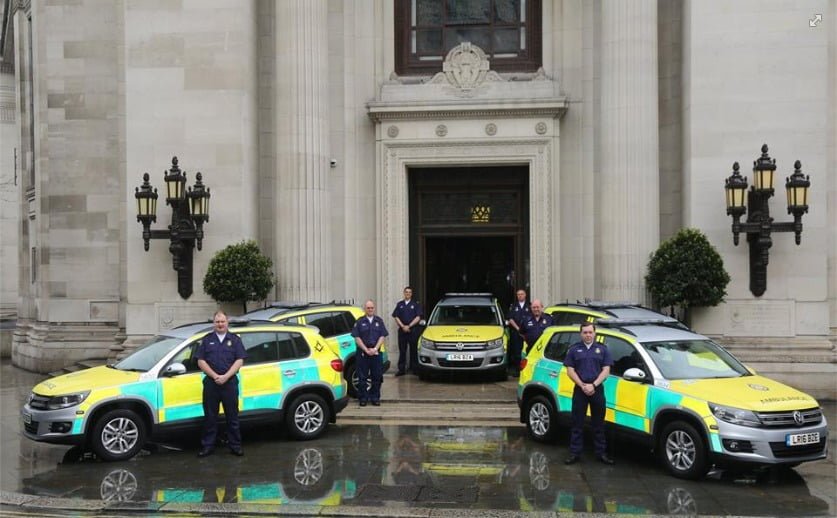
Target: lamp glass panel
x=763 y=179
x=797 y=196
x=175 y=189
x=140 y=213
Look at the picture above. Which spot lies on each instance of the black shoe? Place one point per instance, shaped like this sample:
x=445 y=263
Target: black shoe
x=376 y=403
x=238 y=452
x=362 y=403
x=400 y=373
x=572 y=459
x=205 y=452
x=604 y=459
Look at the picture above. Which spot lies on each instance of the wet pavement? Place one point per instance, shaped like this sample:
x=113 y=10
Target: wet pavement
x=385 y=468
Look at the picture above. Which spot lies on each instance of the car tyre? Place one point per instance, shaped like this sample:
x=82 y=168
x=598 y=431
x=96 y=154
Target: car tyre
x=307 y=417
x=501 y=374
x=541 y=419
x=683 y=451
x=424 y=374
x=118 y=435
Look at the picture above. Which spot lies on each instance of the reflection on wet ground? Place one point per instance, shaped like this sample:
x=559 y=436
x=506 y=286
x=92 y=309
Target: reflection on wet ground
x=476 y=468
x=396 y=466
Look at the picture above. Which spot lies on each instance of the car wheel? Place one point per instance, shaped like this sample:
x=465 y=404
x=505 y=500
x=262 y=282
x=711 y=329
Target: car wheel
x=541 y=419
x=683 y=451
x=307 y=417
x=118 y=435
x=350 y=373
x=501 y=374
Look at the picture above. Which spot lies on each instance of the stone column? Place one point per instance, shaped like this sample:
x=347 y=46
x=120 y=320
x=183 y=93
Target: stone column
x=303 y=253
x=628 y=187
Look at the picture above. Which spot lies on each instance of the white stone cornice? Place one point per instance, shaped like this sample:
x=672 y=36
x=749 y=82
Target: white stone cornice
x=381 y=111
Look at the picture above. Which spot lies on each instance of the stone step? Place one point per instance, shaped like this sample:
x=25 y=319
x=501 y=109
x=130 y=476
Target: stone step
x=421 y=413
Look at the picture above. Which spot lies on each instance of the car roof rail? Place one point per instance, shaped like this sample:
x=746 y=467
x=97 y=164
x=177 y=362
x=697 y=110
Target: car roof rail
x=604 y=304
x=245 y=321
x=343 y=302
x=458 y=294
x=621 y=322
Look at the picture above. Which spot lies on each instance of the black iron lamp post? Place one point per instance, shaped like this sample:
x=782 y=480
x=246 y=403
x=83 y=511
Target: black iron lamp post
x=190 y=210
x=759 y=224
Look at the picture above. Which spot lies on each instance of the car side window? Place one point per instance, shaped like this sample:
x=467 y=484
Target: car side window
x=325 y=322
x=344 y=322
x=292 y=346
x=568 y=318
x=625 y=355
x=291 y=320
x=187 y=357
x=559 y=344
x=260 y=347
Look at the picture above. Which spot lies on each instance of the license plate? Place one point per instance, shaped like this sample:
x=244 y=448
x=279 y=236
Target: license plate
x=27 y=419
x=460 y=357
x=798 y=439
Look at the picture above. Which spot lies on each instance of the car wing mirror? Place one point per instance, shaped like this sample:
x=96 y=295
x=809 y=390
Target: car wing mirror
x=175 y=369
x=635 y=374
x=422 y=322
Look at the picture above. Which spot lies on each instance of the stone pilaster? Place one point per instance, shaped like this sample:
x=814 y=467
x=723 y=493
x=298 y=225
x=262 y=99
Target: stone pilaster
x=303 y=253
x=628 y=203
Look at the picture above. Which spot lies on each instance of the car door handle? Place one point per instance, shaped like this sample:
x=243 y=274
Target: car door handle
x=289 y=373
x=553 y=374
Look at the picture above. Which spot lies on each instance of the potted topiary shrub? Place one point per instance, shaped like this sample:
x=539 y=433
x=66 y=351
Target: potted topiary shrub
x=239 y=273
x=686 y=271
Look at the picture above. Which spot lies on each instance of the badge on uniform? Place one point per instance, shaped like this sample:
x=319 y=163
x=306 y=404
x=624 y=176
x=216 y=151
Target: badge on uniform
x=376 y=324
x=597 y=350
x=229 y=343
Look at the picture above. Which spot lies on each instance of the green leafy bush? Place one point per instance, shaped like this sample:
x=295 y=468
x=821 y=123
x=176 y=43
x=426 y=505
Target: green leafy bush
x=687 y=271
x=239 y=273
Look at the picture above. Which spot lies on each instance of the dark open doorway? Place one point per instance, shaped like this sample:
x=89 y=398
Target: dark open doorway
x=469 y=264
x=469 y=231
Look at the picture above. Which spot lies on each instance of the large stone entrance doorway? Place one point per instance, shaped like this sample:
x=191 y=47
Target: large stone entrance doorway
x=469 y=231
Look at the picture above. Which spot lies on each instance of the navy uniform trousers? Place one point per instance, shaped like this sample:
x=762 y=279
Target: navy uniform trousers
x=596 y=403
x=227 y=395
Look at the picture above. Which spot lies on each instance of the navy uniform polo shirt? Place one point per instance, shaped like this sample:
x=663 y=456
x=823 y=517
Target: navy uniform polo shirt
x=407 y=311
x=588 y=363
x=369 y=332
x=221 y=355
x=519 y=314
x=532 y=328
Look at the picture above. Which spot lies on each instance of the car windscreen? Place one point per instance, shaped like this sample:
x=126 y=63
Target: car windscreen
x=465 y=315
x=694 y=359
x=147 y=356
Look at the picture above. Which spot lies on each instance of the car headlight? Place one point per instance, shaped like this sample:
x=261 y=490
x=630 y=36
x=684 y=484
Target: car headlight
x=66 y=400
x=737 y=416
x=494 y=344
x=424 y=343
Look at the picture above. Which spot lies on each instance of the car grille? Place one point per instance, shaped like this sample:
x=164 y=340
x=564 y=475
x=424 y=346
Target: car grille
x=785 y=419
x=460 y=346
x=466 y=364
x=39 y=402
x=31 y=427
x=782 y=450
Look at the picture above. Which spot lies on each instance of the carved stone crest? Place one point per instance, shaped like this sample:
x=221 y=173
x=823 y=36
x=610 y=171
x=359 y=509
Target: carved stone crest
x=466 y=67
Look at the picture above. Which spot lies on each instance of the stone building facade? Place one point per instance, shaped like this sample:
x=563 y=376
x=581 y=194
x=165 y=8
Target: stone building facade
x=557 y=159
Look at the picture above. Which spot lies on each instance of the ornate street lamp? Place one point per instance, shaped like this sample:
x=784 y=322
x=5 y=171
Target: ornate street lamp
x=759 y=224
x=190 y=210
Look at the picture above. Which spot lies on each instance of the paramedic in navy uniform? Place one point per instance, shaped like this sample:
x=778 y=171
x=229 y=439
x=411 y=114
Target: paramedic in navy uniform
x=369 y=332
x=407 y=314
x=533 y=327
x=220 y=355
x=518 y=314
x=588 y=365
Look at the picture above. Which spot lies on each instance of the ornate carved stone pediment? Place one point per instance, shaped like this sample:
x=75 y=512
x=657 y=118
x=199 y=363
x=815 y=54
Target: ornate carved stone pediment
x=466 y=67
